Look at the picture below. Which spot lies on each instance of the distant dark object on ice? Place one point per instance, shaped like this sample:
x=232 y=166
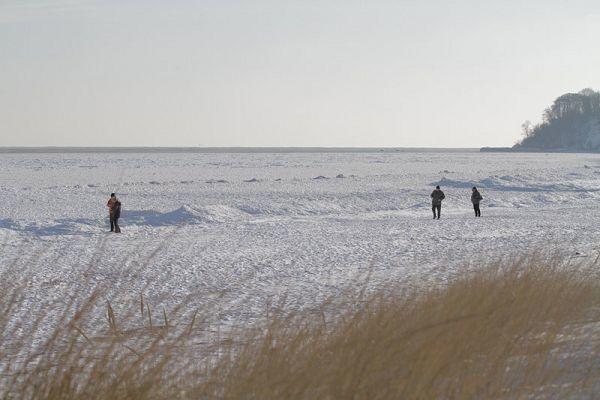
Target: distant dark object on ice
x=497 y=149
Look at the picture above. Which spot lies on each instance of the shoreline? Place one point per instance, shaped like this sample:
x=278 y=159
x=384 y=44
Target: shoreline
x=521 y=150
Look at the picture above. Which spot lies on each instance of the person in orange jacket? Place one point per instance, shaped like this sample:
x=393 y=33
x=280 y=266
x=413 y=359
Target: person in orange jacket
x=114 y=213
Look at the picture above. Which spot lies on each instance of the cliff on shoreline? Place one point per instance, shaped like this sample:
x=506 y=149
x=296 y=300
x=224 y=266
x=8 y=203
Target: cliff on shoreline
x=570 y=124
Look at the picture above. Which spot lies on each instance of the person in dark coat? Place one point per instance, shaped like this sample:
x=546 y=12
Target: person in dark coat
x=476 y=199
x=114 y=213
x=436 y=202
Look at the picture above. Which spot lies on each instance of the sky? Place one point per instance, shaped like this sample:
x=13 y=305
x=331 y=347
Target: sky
x=422 y=73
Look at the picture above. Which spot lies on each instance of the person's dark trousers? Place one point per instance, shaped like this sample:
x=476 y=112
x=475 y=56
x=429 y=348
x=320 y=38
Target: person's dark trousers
x=439 y=211
x=477 y=210
x=114 y=224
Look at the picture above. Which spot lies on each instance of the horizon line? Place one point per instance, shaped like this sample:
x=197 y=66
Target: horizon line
x=217 y=149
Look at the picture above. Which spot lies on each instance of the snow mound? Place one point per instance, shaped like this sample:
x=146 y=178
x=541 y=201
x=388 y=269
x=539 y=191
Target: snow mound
x=185 y=215
x=508 y=183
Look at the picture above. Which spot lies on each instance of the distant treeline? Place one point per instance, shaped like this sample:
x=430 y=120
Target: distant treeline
x=571 y=123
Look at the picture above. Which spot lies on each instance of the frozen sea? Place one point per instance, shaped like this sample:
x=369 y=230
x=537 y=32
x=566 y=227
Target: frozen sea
x=239 y=230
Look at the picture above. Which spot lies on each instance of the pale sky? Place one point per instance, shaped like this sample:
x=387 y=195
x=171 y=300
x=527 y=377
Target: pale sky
x=425 y=73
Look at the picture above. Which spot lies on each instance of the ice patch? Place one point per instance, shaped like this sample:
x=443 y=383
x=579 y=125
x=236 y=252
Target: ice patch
x=420 y=205
x=297 y=208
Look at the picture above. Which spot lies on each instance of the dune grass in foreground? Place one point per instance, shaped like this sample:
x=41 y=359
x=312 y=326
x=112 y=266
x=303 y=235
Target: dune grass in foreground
x=524 y=329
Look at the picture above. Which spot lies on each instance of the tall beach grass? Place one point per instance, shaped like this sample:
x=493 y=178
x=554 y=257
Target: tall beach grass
x=525 y=328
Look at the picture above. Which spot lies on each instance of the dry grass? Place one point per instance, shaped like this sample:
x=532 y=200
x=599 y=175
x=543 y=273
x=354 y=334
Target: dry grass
x=523 y=329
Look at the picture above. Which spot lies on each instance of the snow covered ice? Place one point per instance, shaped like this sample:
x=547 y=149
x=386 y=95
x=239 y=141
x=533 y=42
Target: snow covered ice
x=240 y=230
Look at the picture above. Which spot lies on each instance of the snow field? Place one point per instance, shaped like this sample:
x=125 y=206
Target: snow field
x=237 y=231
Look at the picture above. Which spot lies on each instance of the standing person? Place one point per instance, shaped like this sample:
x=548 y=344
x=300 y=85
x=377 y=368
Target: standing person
x=114 y=213
x=436 y=202
x=476 y=199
